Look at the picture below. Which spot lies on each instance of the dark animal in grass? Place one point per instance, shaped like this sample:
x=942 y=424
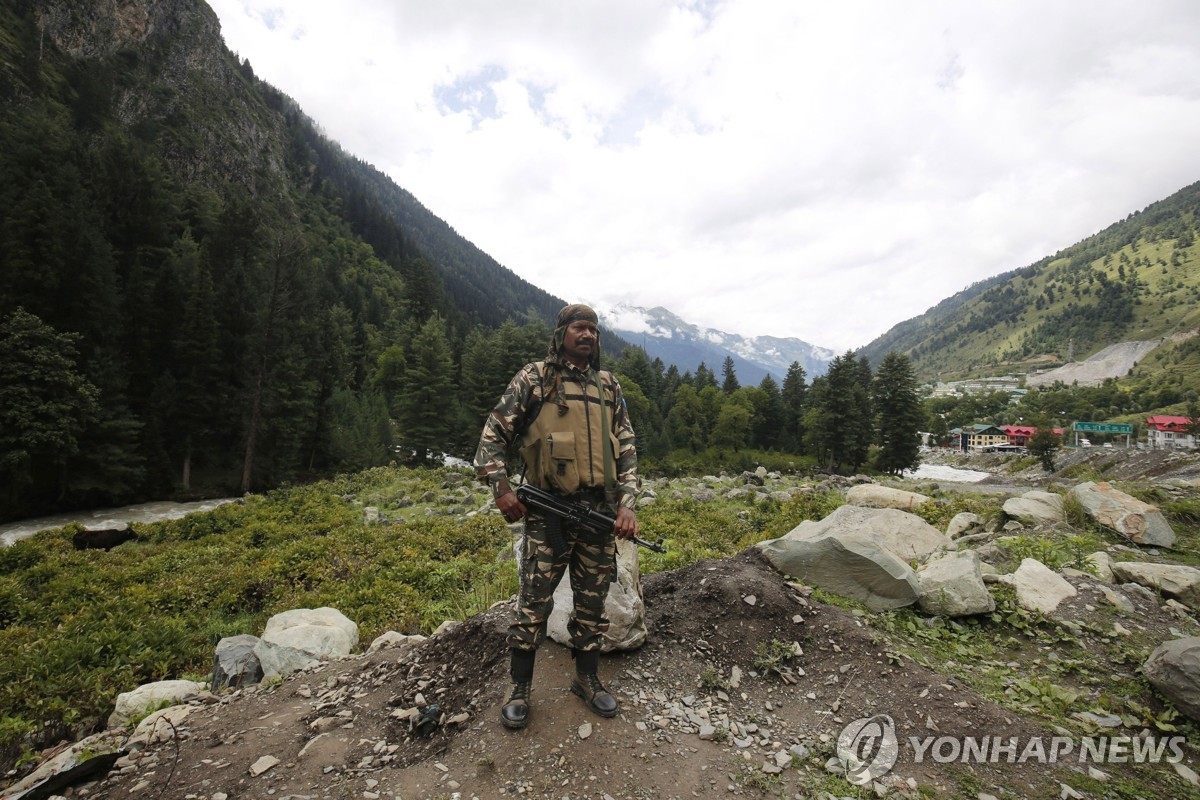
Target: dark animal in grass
x=105 y=539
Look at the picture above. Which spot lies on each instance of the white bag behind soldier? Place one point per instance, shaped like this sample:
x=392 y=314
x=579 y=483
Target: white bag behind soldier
x=624 y=606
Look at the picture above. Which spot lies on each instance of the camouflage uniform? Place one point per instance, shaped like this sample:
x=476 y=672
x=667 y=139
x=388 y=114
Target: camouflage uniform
x=590 y=557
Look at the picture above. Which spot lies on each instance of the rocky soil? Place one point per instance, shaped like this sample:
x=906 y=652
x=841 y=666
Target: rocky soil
x=698 y=719
x=1113 y=361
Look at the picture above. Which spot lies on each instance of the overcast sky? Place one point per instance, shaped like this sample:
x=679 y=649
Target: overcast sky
x=765 y=167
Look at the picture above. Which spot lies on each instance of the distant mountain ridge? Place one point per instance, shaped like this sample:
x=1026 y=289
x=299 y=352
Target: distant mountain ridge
x=1136 y=280
x=667 y=336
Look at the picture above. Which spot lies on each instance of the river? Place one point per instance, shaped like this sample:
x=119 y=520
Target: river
x=940 y=472
x=107 y=518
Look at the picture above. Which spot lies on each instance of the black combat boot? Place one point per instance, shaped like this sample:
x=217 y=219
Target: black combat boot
x=516 y=712
x=587 y=684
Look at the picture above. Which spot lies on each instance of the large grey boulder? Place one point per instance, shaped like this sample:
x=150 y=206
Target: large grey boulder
x=1040 y=588
x=872 y=495
x=234 y=663
x=302 y=637
x=1174 y=580
x=624 y=606
x=1174 y=670
x=148 y=697
x=906 y=536
x=1140 y=522
x=855 y=568
x=952 y=586
x=1036 y=508
x=860 y=553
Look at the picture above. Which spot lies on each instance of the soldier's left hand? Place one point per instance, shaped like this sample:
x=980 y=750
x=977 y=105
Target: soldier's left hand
x=627 y=524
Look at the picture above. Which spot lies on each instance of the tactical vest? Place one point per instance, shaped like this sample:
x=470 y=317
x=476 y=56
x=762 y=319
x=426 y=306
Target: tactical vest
x=562 y=446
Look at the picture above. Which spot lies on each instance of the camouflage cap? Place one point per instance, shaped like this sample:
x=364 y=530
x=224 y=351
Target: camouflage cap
x=574 y=313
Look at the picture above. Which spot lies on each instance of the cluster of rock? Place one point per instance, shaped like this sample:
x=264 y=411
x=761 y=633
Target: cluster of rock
x=709 y=716
x=876 y=551
x=292 y=641
x=760 y=483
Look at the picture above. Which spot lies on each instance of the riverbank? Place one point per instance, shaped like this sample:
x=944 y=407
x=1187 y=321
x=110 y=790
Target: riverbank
x=1104 y=463
x=157 y=511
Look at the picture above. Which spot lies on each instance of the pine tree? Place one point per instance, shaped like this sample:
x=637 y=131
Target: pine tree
x=839 y=424
x=730 y=384
x=861 y=432
x=898 y=414
x=45 y=406
x=278 y=303
x=643 y=415
x=423 y=291
x=636 y=365
x=769 y=416
x=671 y=382
x=655 y=390
x=685 y=423
x=733 y=426
x=480 y=381
x=197 y=404
x=428 y=411
x=794 y=395
x=360 y=433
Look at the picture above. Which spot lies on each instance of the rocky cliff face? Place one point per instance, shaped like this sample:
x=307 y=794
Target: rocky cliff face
x=92 y=30
x=209 y=114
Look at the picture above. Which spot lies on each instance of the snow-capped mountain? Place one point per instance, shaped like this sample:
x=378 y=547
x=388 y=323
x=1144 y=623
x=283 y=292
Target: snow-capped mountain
x=666 y=336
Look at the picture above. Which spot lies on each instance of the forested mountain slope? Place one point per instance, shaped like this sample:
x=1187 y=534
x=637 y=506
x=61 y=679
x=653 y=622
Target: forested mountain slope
x=199 y=289
x=1138 y=279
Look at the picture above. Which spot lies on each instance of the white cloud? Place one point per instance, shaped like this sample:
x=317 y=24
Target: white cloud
x=766 y=168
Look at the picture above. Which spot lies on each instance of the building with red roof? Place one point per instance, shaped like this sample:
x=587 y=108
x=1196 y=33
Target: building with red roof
x=1165 y=432
x=1019 y=435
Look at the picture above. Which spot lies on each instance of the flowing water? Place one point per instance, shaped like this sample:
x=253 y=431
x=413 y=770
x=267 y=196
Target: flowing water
x=939 y=472
x=107 y=517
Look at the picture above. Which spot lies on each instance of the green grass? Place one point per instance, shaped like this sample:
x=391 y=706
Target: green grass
x=79 y=627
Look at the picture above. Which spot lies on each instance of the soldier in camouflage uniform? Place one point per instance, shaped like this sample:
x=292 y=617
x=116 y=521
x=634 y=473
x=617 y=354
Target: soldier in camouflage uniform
x=563 y=413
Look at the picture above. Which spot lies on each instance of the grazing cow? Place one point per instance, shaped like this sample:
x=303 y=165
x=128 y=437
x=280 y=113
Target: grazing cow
x=103 y=539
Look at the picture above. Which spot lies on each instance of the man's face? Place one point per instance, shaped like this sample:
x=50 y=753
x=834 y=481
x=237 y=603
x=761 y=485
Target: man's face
x=579 y=342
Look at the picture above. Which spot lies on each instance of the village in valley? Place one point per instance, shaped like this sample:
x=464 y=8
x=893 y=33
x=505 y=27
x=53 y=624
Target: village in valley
x=1162 y=432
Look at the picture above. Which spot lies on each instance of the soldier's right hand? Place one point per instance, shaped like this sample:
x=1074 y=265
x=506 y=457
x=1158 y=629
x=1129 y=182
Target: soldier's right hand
x=511 y=507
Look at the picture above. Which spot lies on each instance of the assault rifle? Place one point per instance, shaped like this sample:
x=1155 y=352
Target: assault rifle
x=579 y=513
